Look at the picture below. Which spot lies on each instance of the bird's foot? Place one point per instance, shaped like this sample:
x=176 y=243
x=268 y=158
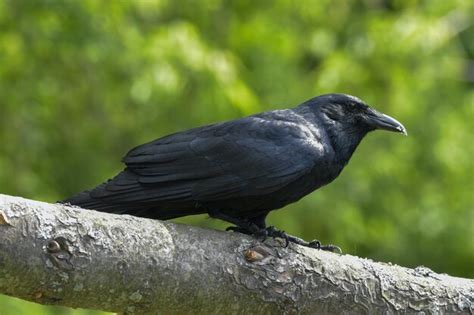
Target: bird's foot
x=272 y=232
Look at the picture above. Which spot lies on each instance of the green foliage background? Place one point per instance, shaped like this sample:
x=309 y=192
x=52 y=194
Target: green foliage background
x=81 y=82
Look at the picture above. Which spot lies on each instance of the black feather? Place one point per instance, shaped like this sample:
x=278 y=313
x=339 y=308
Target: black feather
x=244 y=168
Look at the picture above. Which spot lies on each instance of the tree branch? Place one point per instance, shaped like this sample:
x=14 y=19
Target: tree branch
x=53 y=254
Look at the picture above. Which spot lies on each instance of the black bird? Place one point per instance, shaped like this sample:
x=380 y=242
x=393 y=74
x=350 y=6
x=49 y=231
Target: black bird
x=240 y=170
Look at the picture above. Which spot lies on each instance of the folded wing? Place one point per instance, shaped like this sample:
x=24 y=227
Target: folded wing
x=247 y=157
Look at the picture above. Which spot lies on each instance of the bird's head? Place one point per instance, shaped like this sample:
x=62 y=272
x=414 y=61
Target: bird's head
x=349 y=113
x=346 y=120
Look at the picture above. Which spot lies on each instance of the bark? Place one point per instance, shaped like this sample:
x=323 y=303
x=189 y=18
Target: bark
x=54 y=254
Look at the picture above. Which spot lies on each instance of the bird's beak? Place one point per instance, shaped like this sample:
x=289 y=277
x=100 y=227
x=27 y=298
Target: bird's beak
x=381 y=121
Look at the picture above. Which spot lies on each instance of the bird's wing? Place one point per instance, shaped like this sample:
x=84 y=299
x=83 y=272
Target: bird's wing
x=250 y=156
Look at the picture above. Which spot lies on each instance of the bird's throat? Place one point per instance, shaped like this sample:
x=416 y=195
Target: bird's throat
x=344 y=141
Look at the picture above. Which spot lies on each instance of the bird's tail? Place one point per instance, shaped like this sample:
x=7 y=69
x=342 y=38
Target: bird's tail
x=98 y=199
x=85 y=201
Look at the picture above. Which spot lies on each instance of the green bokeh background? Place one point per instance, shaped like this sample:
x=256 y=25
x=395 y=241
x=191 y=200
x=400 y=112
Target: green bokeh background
x=81 y=82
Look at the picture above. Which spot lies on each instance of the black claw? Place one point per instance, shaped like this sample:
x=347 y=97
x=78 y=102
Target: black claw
x=315 y=244
x=274 y=233
x=331 y=248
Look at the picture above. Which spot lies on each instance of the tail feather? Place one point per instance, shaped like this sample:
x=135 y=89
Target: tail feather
x=162 y=212
x=136 y=200
x=84 y=200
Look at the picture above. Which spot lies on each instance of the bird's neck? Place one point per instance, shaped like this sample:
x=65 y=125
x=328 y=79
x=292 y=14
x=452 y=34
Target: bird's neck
x=344 y=141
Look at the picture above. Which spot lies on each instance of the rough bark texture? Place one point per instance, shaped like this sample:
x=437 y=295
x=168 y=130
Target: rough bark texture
x=53 y=254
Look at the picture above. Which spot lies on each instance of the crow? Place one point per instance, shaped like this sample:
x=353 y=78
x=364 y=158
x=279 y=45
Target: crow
x=240 y=170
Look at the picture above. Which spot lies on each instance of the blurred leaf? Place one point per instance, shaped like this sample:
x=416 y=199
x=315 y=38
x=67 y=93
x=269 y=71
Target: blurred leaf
x=81 y=82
